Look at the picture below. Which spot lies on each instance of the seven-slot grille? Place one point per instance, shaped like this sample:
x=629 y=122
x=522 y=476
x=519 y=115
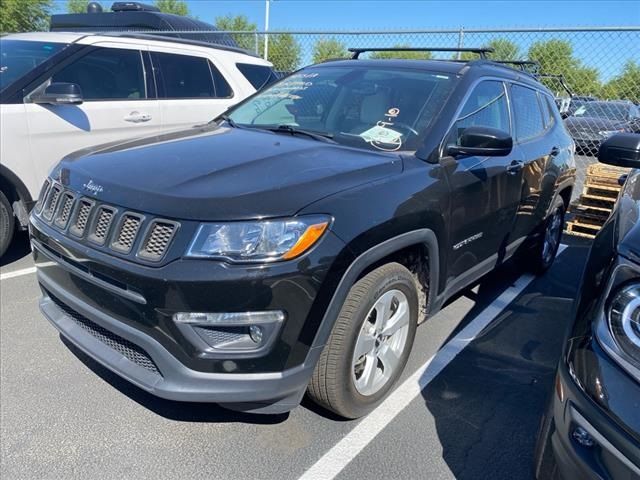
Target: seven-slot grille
x=102 y=224
x=157 y=239
x=129 y=226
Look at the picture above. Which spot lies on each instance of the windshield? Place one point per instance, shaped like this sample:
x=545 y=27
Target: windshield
x=18 y=57
x=610 y=111
x=387 y=109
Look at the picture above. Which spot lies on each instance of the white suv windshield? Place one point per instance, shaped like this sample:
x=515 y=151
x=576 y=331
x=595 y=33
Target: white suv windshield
x=379 y=108
x=18 y=57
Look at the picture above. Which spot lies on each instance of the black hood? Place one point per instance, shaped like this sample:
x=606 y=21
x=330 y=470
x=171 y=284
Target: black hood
x=219 y=173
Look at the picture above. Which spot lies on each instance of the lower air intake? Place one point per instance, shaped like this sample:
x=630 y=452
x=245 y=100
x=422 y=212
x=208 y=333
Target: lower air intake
x=124 y=347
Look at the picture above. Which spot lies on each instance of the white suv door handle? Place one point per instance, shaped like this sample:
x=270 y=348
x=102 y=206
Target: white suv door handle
x=137 y=117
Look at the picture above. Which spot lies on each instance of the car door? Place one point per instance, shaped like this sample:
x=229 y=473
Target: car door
x=191 y=88
x=532 y=122
x=484 y=190
x=117 y=105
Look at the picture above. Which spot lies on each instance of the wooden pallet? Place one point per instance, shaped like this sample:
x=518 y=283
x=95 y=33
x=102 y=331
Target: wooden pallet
x=599 y=195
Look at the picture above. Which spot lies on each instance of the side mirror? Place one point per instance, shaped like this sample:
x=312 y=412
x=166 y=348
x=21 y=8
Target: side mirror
x=60 y=93
x=621 y=149
x=482 y=142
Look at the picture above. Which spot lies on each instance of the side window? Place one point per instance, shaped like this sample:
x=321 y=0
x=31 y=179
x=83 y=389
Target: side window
x=258 y=75
x=107 y=74
x=485 y=107
x=526 y=110
x=547 y=110
x=184 y=76
x=223 y=89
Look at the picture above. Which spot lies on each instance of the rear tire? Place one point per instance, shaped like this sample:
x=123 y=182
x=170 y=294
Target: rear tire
x=539 y=258
x=7 y=224
x=370 y=343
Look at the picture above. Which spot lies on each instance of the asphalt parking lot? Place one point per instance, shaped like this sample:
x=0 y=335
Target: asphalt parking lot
x=493 y=352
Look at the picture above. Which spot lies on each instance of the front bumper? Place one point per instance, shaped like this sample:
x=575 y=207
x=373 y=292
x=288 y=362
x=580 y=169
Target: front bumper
x=120 y=314
x=614 y=427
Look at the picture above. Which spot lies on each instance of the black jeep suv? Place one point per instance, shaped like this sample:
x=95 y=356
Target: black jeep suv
x=294 y=244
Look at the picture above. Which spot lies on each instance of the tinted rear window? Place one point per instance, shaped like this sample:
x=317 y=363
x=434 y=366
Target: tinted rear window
x=184 y=76
x=258 y=75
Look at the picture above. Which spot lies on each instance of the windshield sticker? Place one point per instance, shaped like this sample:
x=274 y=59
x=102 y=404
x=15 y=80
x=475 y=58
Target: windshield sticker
x=381 y=136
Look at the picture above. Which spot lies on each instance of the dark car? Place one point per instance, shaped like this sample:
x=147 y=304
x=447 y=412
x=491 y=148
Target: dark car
x=295 y=244
x=592 y=427
x=136 y=16
x=594 y=122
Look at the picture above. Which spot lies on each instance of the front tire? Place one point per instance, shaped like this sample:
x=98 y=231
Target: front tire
x=370 y=343
x=7 y=224
x=543 y=253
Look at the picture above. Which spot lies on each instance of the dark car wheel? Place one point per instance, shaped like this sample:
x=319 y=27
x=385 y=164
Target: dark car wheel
x=543 y=253
x=370 y=343
x=7 y=224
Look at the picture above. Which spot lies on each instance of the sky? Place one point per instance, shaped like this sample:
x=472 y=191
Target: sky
x=416 y=14
x=609 y=56
x=421 y=14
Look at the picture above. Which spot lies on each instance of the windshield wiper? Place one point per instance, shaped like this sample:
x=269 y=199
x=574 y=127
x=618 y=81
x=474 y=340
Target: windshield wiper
x=321 y=137
x=229 y=120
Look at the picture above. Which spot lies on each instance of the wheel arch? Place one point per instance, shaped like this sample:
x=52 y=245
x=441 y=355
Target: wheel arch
x=422 y=238
x=16 y=191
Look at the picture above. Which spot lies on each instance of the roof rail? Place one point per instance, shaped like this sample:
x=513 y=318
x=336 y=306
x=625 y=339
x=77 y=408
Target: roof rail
x=528 y=66
x=482 y=52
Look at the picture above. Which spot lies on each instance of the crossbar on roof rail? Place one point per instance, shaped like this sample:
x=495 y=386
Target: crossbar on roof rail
x=482 y=52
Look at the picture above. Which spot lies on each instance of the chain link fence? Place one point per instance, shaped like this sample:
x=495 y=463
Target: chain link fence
x=600 y=67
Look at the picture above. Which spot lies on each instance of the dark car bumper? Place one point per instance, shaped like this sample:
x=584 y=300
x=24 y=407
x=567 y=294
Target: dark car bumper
x=615 y=453
x=120 y=314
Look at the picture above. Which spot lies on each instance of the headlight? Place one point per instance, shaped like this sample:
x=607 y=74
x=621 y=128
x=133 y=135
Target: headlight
x=258 y=241
x=608 y=133
x=624 y=321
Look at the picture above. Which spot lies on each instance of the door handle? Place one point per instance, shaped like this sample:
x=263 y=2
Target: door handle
x=137 y=117
x=554 y=151
x=514 y=167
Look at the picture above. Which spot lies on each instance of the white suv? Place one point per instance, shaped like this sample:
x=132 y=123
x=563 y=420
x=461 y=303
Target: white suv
x=61 y=92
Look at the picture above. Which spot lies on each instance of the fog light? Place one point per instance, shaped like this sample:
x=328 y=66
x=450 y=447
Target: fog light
x=581 y=436
x=232 y=318
x=255 y=332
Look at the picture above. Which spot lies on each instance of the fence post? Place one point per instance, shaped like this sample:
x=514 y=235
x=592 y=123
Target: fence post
x=460 y=41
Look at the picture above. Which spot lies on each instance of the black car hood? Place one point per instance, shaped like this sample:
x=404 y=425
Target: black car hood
x=628 y=218
x=219 y=173
x=592 y=124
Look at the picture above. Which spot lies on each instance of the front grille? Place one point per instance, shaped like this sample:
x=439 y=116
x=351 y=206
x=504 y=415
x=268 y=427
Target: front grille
x=81 y=218
x=130 y=351
x=64 y=211
x=51 y=203
x=158 y=238
x=104 y=226
x=127 y=232
x=43 y=195
x=103 y=221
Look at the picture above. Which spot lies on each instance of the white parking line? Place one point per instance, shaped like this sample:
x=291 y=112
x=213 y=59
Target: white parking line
x=17 y=273
x=341 y=454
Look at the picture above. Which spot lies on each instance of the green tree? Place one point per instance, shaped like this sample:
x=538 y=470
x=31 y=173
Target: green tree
x=556 y=57
x=328 y=48
x=77 y=6
x=284 y=52
x=403 y=55
x=503 y=49
x=238 y=23
x=24 y=15
x=625 y=86
x=177 y=7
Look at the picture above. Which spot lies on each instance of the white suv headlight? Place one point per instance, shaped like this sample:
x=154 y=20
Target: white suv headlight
x=258 y=241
